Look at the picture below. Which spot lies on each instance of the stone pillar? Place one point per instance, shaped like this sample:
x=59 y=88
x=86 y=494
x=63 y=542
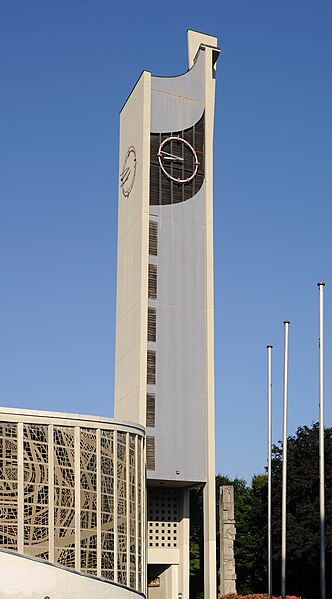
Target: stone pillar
x=227 y=537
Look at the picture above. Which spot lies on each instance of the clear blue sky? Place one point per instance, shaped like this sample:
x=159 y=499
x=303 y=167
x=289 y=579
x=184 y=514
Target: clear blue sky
x=66 y=69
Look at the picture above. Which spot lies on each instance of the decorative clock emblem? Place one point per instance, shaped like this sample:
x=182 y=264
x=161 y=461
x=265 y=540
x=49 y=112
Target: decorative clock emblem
x=127 y=177
x=178 y=159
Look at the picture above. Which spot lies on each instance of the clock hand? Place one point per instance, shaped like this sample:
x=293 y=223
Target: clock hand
x=174 y=159
x=125 y=175
x=168 y=156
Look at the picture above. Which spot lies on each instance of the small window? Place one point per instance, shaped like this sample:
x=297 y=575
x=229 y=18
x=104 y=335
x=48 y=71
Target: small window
x=152 y=321
x=150 y=453
x=153 y=238
x=150 y=410
x=152 y=281
x=151 y=368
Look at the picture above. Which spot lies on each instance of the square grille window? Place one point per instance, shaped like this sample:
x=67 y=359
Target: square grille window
x=163 y=518
x=151 y=368
x=152 y=281
x=153 y=238
x=150 y=410
x=152 y=321
x=150 y=453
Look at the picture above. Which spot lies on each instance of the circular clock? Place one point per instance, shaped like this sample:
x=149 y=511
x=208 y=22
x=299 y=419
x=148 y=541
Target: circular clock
x=178 y=159
x=127 y=177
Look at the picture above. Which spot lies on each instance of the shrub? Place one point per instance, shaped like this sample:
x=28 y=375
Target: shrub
x=254 y=596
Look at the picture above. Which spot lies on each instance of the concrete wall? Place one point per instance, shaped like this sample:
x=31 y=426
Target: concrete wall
x=132 y=271
x=27 y=578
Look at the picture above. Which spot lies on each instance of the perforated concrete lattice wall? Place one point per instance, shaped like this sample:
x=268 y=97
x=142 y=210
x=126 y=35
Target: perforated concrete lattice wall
x=71 y=493
x=163 y=518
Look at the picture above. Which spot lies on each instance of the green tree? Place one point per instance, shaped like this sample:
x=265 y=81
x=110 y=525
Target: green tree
x=196 y=543
x=251 y=532
x=302 y=576
x=303 y=517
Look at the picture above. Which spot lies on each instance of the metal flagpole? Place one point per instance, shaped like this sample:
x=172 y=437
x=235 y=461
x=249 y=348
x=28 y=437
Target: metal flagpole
x=269 y=485
x=321 y=439
x=284 y=465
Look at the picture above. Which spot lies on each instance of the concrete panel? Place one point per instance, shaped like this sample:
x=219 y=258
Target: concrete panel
x=163 y=556
x=188 y=411
x=195 y=39
x=181 y=328
x=174 y=113
x=181 y=284
x=128 y=330
x=131 y=406
x=180 y=457
x=183 y=241
x=128 y=292
x=178 y=102
x=130 y=241
x=180 y=370
x=128 y=378
x=190 y=211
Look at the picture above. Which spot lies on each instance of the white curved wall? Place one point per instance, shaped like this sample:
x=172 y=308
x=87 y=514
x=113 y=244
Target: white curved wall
x=27 y=578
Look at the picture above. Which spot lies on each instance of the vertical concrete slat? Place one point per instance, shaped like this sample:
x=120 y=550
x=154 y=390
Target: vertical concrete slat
x=137 y=498
x=98 y=464
x=20 y=484
x=128 y=507
x=51 y=490
x=115 y=519
x=77 y=452
x=184 y=548
x=144 y=519
x=209 y=507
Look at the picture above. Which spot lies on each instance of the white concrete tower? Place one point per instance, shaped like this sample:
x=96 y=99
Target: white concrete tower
x=164 y=375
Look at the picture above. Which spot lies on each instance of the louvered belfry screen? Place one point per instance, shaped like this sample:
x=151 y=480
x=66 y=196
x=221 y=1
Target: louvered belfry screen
x=151 y=368
x=153 y=238
x=150 y=410
x=152 y=281
x=152 y=324
x=150 y=453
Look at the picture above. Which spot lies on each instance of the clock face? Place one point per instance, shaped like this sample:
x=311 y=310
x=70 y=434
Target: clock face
x=178 y=159
x=176 y=164
x=127 y=177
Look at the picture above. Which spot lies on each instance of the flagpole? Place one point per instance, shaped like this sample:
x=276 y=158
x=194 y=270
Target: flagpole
x=321 y=439
x=269 y=485
x=284 y=465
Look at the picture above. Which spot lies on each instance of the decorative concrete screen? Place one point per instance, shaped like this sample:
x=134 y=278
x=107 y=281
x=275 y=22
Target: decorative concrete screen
x=72 y=493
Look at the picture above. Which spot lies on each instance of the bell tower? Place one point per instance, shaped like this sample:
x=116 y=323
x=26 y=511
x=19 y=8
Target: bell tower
x=164 y=376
